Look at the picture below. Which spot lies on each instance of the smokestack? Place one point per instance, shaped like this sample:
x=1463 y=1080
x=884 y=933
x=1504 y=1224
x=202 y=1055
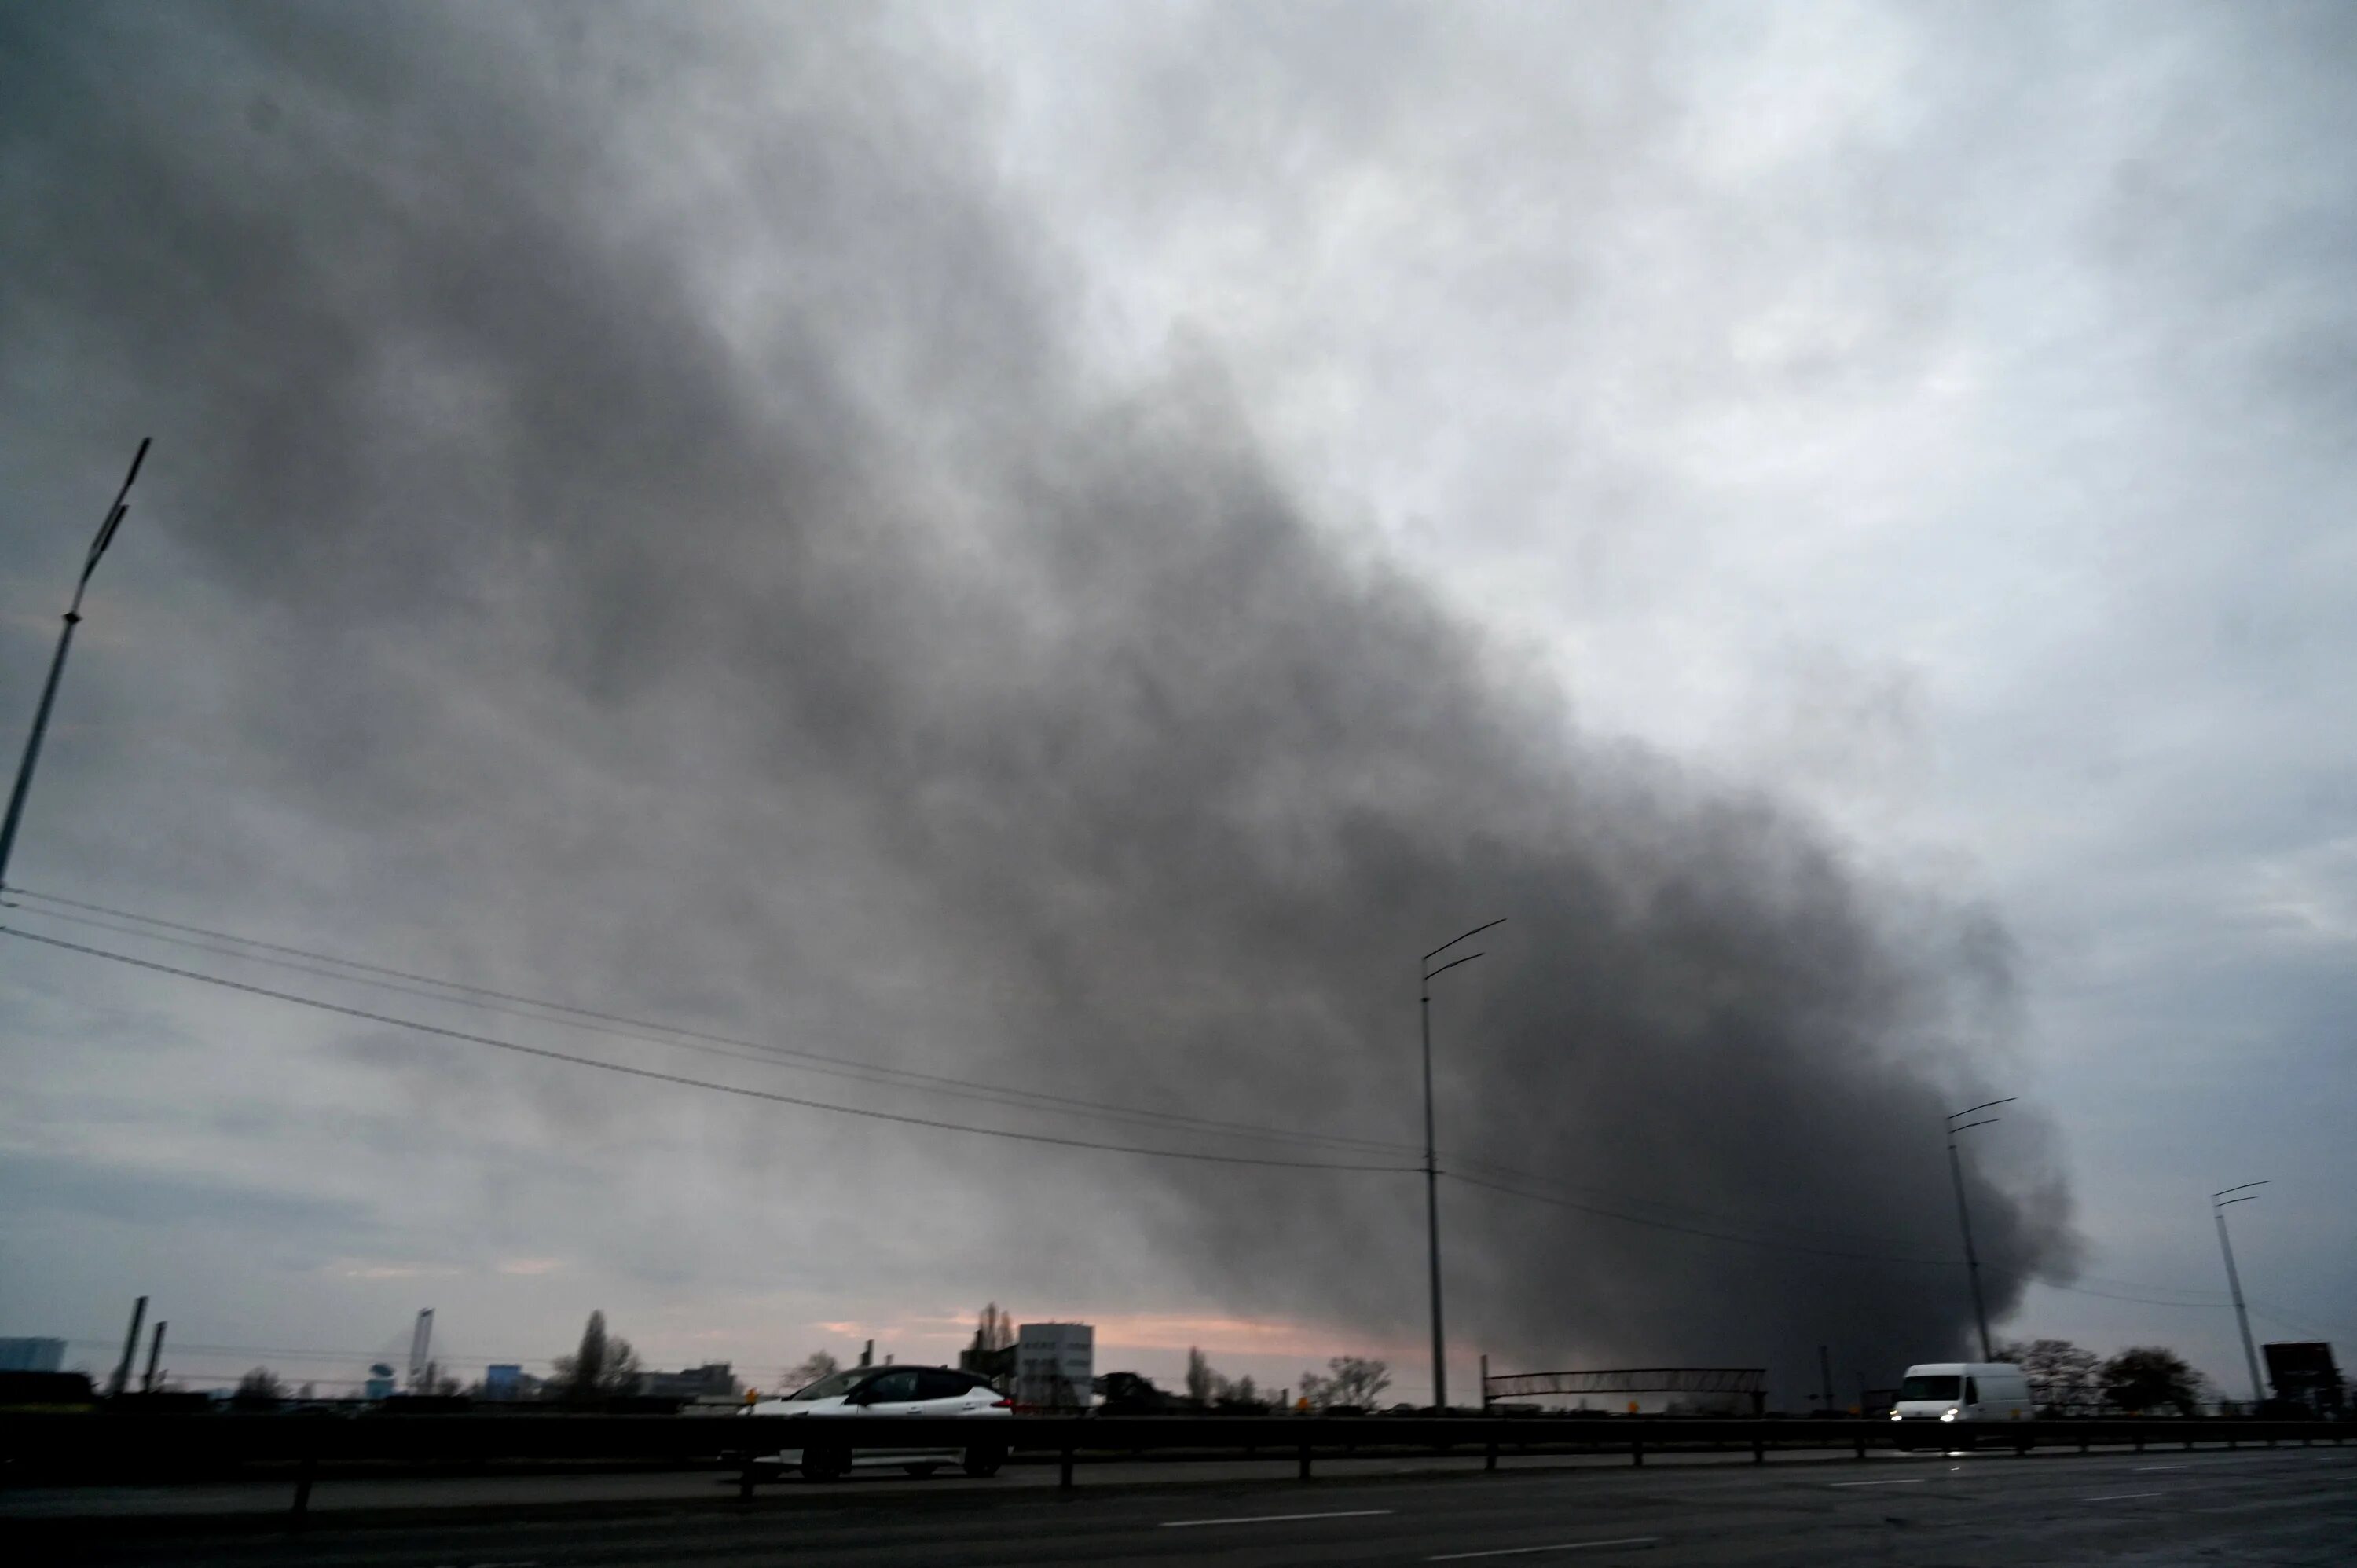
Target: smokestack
x=421 y=1340
x=121 y=1378
x=154 y=1353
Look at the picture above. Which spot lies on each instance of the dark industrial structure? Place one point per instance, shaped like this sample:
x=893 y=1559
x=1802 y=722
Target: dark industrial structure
x=1748 y=1382
x=2303 y=1373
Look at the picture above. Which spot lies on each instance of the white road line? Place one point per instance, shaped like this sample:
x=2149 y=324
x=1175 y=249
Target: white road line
x=1916 y=1482
x=2116 y=1497
x=1272 y=1518
x=1562 y=1546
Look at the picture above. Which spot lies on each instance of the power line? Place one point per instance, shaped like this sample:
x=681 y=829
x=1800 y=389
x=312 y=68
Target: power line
x=1535 y=1179
x=285 y=1352
x=2111 y=1296
x=1017 y=1097
x=2278 y=1314
x=1650 y=1224
x=619 y=1026
x=2214 y=1297
x=1819 y=1251
x=770 y=1056
x=680 y=1079
x=622 y=1026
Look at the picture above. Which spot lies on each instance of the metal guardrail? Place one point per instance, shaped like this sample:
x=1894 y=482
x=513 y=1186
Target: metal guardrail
x=110 y=1445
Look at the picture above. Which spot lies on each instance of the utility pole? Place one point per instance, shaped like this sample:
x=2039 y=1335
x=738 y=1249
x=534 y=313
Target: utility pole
x=2218 y=1205
x=121 y=1378
x=1432 y=1158
x=57 y=667
x=1964 y=1217
x=1825 y=1372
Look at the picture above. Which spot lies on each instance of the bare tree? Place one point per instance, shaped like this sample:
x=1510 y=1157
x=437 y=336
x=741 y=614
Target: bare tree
x=1353 y=1382
x=604 y=1364
x=816 y=1365
x=259 y=1387
x=1202 y=1382
x=2062 y=1376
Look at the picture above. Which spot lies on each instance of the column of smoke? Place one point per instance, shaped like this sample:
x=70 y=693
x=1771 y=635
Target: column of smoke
x=778 y=399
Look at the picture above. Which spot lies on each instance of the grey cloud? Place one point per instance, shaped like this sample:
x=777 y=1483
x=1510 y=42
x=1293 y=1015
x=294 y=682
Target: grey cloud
x=691 y=540
x=83 y=1189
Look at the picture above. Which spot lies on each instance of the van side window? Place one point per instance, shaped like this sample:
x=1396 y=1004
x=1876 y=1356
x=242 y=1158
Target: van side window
x=1972 y=1390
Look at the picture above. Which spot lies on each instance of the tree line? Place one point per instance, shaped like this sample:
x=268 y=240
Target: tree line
x=2143 y=1380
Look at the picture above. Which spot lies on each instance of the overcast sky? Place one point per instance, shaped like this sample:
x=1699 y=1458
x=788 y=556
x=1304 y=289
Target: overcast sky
x=1059 y=547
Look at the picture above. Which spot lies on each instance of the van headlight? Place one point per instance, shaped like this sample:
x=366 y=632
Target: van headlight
x=1949 y=1413
x=1894 y=1415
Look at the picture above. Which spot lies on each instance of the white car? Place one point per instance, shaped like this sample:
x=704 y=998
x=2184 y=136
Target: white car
x=884 y=1392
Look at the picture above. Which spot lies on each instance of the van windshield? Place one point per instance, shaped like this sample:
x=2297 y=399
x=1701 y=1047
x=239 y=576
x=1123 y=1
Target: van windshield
x=1928 y=1388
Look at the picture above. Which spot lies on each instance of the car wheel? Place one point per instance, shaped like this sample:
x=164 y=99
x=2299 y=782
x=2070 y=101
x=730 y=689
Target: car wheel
x=825 y=1463
x=983 y=1461
x=919 y=1471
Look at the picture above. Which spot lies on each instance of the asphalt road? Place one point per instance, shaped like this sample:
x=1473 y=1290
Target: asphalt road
x=2286 y=1506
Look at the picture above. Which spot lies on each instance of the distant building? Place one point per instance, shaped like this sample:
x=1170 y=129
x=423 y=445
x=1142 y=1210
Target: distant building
x=2305 y=1374
x=1055 y=1363
x=710 y=1381
x=32 y=1355
x=504 y=1380
x=380 y=1383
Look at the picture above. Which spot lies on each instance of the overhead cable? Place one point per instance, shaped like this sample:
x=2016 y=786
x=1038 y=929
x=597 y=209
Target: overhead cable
x=623 y=1026
x=681 y=1079
x=1652 y=1224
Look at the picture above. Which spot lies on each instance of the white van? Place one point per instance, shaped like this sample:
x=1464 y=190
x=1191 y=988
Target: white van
x=1937 y=1395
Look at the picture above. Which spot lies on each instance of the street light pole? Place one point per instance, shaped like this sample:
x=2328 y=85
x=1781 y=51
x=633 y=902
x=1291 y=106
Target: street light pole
x=2219 y=1201
x=58 y=665
x=1965 y=1217
x=1432 y=1159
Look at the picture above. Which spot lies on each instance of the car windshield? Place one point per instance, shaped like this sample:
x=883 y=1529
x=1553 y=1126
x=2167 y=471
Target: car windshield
x=834 y=1385
x=1928 y=1388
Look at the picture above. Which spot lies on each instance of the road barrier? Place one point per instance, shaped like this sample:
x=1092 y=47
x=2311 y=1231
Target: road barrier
x=113 y=1446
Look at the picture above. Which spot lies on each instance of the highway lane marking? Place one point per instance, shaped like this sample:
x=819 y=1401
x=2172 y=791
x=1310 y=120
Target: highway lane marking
x=1560 y=1546
x=1273 y=1518
x=1916 y=1482
x=2116 y=1497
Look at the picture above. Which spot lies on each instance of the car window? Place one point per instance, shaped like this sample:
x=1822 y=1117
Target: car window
x=942 y=1385
x=892 y=1388
x=1928 y=1388
x=834 y=1385
x=1972 y=1390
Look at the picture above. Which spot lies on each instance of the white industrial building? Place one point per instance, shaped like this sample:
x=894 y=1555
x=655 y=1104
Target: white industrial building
x=1055 y=1363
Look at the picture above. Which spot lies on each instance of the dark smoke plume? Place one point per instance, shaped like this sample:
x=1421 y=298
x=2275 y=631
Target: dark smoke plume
x=679 y=518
